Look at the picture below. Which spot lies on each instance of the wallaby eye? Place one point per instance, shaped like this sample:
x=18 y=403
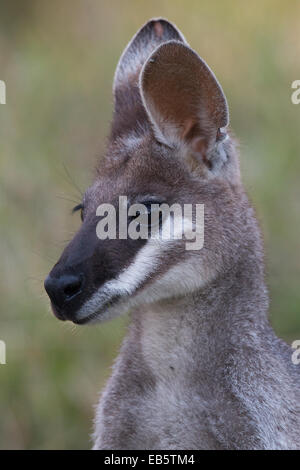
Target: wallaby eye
x=149 y=205
x=151 y=213
x=148 y=211
x=145 y=212
x=77 y=208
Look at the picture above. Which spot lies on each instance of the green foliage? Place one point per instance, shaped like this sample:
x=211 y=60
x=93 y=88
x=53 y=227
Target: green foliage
x=57 y=59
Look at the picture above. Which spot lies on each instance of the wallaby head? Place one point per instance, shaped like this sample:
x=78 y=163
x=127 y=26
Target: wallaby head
x=169 y=143
x=200 y=366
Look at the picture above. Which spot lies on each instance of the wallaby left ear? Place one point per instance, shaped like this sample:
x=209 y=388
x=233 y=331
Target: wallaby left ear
x=183 y=98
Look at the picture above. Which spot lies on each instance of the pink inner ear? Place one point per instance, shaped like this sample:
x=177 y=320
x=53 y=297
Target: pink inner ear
x=199 y=145
x=159 y=30
x=183 y=97
x=188 y=125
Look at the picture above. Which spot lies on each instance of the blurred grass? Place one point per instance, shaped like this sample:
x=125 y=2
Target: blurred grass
x=57 y=59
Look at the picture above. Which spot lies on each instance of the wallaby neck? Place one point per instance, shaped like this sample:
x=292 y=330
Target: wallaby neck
x=196 y=331
x=199 y=371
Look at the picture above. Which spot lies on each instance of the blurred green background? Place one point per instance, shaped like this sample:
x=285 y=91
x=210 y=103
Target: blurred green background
x=57 y=59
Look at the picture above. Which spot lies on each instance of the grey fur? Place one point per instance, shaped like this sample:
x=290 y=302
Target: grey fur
x=200 y=367
x=203 y=369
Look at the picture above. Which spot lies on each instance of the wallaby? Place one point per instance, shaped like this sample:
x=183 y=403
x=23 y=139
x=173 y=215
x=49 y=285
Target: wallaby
x=200 y=367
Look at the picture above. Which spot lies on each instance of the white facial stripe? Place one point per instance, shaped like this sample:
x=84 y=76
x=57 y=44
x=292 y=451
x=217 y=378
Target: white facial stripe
x=182 y=278
x=128 y=280
x=144 y=264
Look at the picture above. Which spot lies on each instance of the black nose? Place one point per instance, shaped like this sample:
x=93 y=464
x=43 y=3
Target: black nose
x=62 y=289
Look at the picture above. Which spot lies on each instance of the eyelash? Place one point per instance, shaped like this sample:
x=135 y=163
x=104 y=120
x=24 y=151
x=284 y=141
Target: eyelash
x=79 y=207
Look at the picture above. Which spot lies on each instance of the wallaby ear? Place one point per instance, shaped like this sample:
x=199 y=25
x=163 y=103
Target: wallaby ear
x=145 y=41
x=183 y=98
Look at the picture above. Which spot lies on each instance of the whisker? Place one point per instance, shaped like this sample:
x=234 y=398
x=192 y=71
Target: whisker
x=72 y=181
x=64 y=198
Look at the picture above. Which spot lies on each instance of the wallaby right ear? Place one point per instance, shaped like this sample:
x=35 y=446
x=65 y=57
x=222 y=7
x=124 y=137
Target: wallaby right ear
x=184 y=100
